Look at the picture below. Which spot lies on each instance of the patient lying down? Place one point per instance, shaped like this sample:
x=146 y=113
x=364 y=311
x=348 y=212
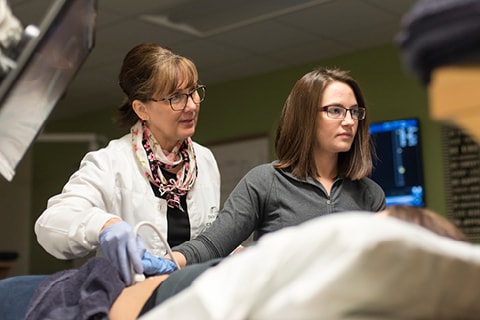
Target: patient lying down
x=143 y=297
x=133 y=299
x=130 y=302
x=342 y=266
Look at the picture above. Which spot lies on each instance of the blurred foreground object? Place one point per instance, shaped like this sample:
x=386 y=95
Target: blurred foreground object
x=10 y=35
x=440 y=43
x=454 y=94
x=47 y=63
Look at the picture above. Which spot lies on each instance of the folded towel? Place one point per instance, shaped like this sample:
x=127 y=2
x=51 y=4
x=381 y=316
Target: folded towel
x=84 y=293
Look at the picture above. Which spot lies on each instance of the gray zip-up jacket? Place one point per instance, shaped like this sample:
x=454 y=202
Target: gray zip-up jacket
x=268 y=199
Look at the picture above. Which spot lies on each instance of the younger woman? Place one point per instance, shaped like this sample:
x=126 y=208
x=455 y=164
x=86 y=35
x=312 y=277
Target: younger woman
x=324 y=159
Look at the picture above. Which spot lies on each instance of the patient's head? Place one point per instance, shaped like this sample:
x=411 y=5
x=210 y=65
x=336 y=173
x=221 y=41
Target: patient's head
x=425 y=218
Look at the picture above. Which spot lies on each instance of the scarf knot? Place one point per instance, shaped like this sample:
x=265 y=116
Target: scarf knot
x=152 y=159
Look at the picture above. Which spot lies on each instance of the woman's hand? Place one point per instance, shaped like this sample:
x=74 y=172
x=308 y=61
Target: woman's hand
x=120 y=245
x=153 y=265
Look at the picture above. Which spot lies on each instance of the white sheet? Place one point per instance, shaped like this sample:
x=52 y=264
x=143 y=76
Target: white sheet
x=343 y=266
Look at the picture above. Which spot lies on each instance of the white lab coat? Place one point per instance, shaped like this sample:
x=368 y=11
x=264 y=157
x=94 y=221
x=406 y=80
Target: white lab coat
x=111 y=183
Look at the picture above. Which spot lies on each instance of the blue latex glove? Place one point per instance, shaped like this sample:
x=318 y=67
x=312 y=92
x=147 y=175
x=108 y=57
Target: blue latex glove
x=153 y=265
x=123 y=249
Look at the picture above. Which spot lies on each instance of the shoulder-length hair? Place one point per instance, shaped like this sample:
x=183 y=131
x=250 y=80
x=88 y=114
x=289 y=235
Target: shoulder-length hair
x=296 y=132
x=151 y=71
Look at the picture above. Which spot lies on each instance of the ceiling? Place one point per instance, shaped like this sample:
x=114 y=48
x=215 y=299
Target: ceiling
x=227 y=39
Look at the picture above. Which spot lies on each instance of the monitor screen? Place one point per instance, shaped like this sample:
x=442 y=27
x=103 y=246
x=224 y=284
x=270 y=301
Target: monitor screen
x=399 y=167
x=44 y=69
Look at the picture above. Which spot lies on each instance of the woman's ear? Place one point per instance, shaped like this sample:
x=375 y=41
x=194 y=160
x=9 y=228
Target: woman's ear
x=140 y=109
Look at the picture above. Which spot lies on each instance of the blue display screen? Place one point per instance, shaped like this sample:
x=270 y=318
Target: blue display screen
x=399 y=167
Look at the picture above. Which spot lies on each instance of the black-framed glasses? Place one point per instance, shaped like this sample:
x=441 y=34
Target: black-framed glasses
x=178 y=101
x=336 y=111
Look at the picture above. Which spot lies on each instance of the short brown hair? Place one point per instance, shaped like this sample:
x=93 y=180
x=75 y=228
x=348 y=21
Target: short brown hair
x=296 y=132
x=427 y=219
x=150 y=70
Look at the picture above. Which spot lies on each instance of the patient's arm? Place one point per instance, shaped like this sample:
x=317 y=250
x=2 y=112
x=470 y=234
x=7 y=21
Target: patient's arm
x=130 y=302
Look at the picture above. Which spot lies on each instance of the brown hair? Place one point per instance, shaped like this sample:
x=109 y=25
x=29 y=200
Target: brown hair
x=296 y=132
x=427 y=219
x=148 y=71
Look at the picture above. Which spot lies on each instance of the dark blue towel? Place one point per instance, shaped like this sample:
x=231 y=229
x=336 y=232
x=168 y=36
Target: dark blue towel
x=84 y=293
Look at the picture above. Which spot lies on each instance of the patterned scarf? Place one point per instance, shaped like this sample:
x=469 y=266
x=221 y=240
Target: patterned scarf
x=153 y=159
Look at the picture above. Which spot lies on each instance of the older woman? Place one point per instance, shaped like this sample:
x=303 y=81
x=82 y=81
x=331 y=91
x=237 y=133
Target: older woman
x=155 y=173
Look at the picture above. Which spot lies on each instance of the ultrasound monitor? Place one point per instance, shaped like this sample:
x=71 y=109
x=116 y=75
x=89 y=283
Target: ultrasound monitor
x=44 y=68
x=399 y=167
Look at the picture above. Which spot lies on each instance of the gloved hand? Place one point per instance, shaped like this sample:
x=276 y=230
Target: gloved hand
x=153 y=265
x=123 y=249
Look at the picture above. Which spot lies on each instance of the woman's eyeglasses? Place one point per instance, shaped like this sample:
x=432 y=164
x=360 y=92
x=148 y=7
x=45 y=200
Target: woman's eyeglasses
x=178 y=101
x=335 y=111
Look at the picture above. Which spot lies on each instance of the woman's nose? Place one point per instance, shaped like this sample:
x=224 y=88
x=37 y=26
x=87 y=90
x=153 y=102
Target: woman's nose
x=191 y=105
x=348 y=118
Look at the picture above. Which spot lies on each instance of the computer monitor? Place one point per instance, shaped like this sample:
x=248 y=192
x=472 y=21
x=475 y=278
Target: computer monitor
x=44 y=69
x=399 y=167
